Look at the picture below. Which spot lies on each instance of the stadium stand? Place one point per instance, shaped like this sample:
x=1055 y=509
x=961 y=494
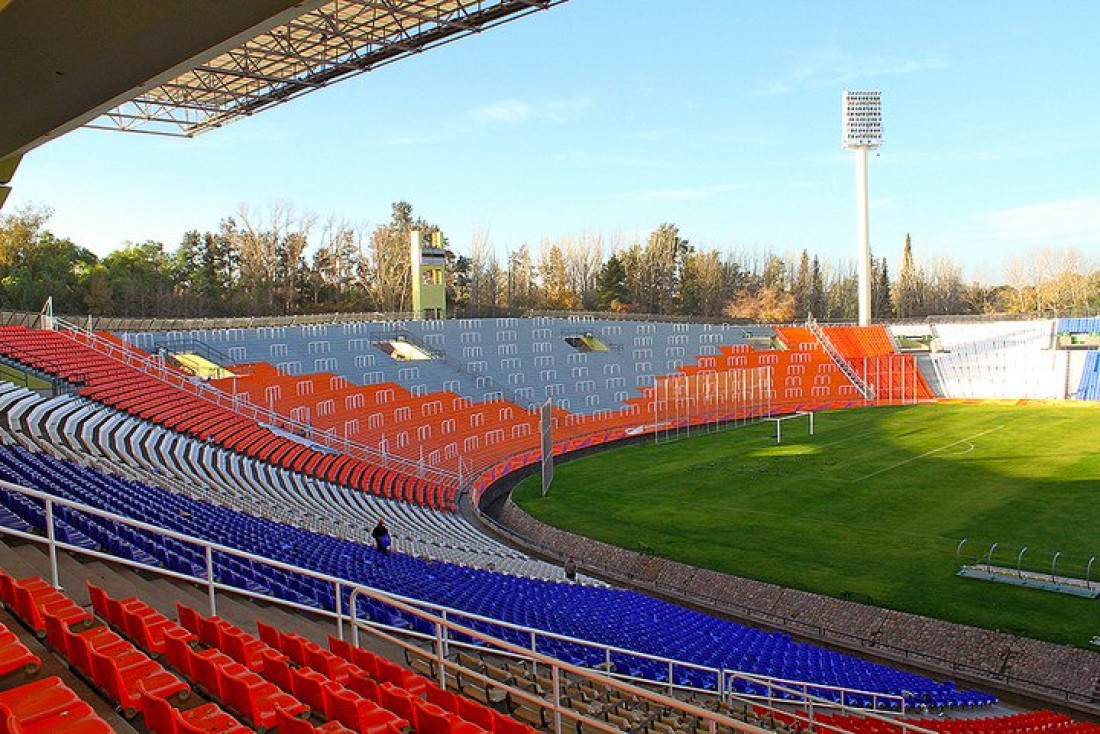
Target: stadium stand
x=606 y=616
x=872 y=353
x=1089 y=387
x=999 y=359
x=1089 y=326
x=120 y=386
x=523 y=360
x=74 y=428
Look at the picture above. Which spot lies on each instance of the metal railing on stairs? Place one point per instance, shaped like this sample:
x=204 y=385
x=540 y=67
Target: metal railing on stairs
x=838 y=359
x=453 y=629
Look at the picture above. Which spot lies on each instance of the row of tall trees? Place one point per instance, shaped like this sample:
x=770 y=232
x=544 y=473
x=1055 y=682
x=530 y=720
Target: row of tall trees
x=281 y=261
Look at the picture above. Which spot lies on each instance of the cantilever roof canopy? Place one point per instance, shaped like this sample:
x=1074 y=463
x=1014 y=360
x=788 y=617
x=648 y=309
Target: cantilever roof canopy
x=325 y=44
x=182 y=68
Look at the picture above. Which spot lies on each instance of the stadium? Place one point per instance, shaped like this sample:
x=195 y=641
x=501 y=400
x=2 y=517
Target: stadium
x=595 y=522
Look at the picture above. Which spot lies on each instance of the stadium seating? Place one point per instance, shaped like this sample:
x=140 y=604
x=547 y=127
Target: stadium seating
x=607 y=616
x=999 y=359
x=1089 y=387
x=871 y=352
x=71 y=427
x=47 y=706
x=1089 y=325
x=109 y=381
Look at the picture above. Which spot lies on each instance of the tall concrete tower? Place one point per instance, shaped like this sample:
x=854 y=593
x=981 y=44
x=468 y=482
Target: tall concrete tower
x=863 y=133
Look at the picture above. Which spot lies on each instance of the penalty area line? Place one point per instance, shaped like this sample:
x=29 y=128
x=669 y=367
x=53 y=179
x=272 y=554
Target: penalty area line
x=968 y=439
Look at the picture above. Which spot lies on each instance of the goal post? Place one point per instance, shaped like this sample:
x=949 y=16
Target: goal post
x=779 y=420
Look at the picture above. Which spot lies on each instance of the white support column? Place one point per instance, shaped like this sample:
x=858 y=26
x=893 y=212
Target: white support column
x=863 y=224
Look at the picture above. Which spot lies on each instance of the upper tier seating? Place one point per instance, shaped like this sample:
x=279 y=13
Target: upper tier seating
x=1090 y=325
x=611 y=616
x=522 y=360
x=109 y=381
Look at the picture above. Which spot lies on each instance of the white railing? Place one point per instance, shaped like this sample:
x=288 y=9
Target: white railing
x=159 y=370
x=839 y=359
x=780 y=692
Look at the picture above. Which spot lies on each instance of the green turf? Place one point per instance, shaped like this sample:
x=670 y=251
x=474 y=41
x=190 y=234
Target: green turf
x=871 y=507
x=18 y=377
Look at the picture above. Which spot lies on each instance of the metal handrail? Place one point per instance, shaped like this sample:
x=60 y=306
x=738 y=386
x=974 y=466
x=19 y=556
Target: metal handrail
x=435 y=613
x=838 y=358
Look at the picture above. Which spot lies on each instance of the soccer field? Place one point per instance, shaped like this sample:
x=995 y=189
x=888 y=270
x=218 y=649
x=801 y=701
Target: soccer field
x=871 y=507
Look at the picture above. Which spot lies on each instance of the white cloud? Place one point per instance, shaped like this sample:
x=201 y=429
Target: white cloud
x=505 y=111
x=832 y=69
x=1067 y=223
x=512 y=111
x=683 y=194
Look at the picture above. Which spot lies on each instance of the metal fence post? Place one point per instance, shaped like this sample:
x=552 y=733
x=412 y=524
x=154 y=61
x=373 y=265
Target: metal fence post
x=210 y=581
x=54 y=576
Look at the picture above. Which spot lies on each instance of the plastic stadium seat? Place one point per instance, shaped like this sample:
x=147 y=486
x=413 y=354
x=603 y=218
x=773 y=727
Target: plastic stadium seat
x=33 y=598
x=257 y=699
x=161 y=717
x=124 y=676
x=14 y=655
x=47 y=706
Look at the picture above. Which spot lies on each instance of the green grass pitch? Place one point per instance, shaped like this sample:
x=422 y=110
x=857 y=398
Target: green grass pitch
x=871 y=507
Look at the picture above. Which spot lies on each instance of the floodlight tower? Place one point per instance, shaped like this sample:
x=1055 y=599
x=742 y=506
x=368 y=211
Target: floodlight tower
x=862 y=133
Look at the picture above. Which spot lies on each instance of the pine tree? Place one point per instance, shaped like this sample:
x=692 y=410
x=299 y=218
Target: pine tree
x=611 y=283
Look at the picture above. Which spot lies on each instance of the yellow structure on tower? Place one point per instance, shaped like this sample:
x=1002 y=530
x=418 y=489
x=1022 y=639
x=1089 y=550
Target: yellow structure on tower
x=429 y=284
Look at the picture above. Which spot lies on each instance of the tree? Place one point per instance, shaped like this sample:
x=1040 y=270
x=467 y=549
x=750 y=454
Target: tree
x=882 y=305
x=556 y=294
x=611 y=284
x=908 y=296
x=141 y=279
x=660 y=265
x=35 y=264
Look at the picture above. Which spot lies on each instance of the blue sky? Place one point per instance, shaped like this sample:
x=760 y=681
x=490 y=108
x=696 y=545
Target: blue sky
x=613 y=116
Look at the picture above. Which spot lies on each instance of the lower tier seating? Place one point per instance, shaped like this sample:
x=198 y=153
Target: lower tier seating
x=609 y=616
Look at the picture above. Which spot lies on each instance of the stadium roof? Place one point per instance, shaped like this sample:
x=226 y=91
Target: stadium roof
x=182 y=68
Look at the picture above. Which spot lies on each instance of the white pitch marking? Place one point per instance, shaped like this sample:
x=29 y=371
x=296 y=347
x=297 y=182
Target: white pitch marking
x=929 y=453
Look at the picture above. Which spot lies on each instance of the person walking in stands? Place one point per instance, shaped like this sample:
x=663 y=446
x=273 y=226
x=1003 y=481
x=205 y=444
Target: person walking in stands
x=381 y=535
x=570 y=568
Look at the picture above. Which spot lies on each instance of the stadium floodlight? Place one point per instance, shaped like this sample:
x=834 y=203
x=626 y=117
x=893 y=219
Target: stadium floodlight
x=862 y=133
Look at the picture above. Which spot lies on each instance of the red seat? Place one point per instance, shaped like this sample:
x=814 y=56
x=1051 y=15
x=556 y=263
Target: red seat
x=123 y=678
x=256 y=699
x=364 y=685
x=474 y=712
x=244 y=648
x=277 y=669
x=77 y=719
x=399 y=701
x=311 y=688
x=363 y=715
x=39 y=699
x=391 y=672
x=33 y=598
x=14 y=655
x=189 y=618
x=161 y=717
x=433 y=720
x=326 y=662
